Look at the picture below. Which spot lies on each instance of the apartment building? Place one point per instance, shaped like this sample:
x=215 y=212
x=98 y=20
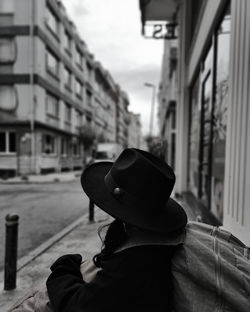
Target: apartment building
x=105 y=104
x=122 y=118
x=212 y=100
x=50 y=85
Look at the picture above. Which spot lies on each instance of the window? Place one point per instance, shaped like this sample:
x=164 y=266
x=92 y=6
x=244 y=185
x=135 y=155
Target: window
x=52 y=108
x=79 y=88
x=89 y=71
x=68 y=42
x=220 y=114
x=79 y=57
x=67 y=113
x=68 y=77
x=64 y=147
x=89 y=99
x=8 y=98
x=49 y=144
x=7 y=142
x=78 y=120
x=52 y=63
x=7 y=50
x=194 y=135
x=76 y=147
x=52 y=21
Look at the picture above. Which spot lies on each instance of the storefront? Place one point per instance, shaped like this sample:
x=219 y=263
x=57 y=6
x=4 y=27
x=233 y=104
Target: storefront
x=208 y=120
x=212 y=157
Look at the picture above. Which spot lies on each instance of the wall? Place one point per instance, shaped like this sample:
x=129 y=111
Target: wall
x=237 y=186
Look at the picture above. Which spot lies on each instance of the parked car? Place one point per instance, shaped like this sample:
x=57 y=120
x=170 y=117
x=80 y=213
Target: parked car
x=107 y=152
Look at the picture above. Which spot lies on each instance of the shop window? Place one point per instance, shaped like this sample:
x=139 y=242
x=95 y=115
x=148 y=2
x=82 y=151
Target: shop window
x=7 y=142
x=7 y=50
x=52 y=21
x=52 y=108
x=52 y=63
x=8 y=98
x=49 y=146
x=194 y=137
x=220 y=114
x=208 y=121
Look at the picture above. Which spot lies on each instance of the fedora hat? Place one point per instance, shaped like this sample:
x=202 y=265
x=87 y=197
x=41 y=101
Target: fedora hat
x=136 y=189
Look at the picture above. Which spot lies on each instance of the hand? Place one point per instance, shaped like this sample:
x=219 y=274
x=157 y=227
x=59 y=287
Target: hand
x=68 y=261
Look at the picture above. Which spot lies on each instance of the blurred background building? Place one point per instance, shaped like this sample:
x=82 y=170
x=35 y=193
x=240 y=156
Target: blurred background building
x=204 y=102
x=50 y=87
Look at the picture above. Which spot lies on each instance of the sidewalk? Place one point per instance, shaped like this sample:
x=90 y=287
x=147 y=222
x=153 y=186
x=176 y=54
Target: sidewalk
x=44 y=178
x=80 y=237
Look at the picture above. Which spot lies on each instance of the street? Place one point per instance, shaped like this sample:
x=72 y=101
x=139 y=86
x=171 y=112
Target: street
x=43 y=209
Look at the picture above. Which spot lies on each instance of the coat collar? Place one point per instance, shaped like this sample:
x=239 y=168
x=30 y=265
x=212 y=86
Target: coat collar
x=138 y=237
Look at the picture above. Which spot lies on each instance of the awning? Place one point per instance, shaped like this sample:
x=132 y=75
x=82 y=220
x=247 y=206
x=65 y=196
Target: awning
x=158 y=10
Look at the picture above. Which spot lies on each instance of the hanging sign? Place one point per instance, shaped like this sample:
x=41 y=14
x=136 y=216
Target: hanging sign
x=160 y=30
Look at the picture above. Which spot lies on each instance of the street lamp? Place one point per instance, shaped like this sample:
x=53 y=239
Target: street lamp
x=150 y=85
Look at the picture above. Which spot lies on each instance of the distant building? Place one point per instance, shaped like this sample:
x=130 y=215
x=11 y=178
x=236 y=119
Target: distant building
x=50 y=85
x=105 y=106
x=134 y=130
x=122 y=118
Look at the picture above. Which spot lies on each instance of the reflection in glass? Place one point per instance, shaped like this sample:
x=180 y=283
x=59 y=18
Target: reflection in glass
x=220 y=115
x=194 y=134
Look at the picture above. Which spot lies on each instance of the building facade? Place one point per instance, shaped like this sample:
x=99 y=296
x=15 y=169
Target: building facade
x=167 y=99
x=50 y=86
x=212 y=103
x=122 y=118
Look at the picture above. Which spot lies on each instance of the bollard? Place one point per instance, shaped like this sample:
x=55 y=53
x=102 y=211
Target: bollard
x=10 y=265
x=91 y=211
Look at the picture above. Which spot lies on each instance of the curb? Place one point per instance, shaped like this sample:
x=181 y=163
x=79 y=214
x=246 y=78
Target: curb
x=53 y=180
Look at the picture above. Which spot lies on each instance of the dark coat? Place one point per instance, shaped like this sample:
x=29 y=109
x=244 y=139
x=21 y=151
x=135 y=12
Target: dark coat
x=135 y=279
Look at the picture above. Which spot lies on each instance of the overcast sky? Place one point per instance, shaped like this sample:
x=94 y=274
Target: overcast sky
x=112 y=32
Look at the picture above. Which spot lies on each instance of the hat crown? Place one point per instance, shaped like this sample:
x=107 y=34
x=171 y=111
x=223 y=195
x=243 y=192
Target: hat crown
x=144 y=176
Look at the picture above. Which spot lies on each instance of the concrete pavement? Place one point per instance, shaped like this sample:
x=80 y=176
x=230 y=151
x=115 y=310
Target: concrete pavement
x=80 y=237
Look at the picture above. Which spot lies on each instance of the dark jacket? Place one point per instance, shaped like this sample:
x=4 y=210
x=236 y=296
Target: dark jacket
x=135 y=279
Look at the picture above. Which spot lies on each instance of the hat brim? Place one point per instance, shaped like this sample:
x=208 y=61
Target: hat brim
x=172 y=217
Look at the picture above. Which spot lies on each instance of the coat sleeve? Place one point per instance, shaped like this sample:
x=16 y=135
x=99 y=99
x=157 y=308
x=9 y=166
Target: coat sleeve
x=69 y=292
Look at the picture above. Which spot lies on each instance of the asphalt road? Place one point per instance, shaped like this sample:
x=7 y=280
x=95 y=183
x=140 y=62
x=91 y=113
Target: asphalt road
x=43 y=209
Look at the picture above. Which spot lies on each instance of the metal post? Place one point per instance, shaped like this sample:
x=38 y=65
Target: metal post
x=91 y=211
x=10 y=266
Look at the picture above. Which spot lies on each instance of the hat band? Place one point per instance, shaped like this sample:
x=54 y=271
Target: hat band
x=130 y=200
